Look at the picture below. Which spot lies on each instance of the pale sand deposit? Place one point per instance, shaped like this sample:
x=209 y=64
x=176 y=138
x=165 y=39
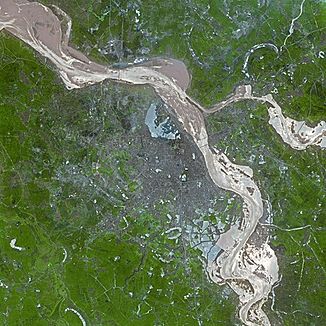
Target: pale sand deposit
x=251 y=270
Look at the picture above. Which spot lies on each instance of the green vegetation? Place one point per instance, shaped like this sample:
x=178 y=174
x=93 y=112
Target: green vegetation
x=65 y=173
x=66 y=161
x=293 y=182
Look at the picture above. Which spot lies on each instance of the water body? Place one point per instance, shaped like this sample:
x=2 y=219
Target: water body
x=39 y=27
x=165 y=129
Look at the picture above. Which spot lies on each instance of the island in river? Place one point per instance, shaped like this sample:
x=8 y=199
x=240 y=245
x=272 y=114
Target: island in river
x=249 y=267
